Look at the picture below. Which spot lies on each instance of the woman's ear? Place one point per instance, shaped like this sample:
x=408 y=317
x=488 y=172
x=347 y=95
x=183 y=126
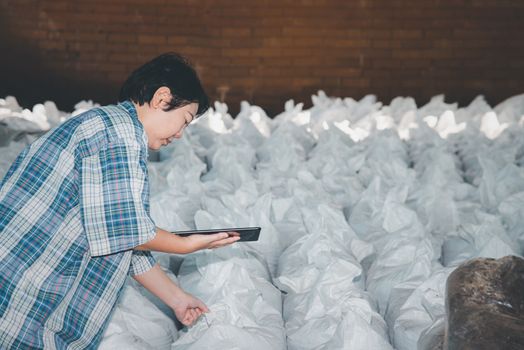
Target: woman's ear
x=161 y=97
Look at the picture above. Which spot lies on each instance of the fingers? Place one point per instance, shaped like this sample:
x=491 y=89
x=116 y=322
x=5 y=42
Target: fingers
x=199 y=305
x=186 y=321
x=189 y=309
x=224 y=242
x=218 y=236
x=233 y=234
x=202 y=307
x=231 y=239
x=215 y=240
x=189 y=318
x=192 y=314
x=223 y=235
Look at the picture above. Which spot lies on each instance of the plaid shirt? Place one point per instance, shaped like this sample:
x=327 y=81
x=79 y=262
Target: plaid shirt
x=72 y=207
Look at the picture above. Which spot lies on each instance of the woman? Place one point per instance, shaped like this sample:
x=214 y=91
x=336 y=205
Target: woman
x=74 y=214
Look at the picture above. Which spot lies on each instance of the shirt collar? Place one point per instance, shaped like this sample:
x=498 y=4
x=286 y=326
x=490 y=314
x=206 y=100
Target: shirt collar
x=129 y=107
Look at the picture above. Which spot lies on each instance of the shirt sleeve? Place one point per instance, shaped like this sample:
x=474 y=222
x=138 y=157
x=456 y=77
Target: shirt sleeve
x=114 y=197
x=141 y=261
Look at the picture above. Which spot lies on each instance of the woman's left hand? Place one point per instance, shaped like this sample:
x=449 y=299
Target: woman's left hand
x=217 y=240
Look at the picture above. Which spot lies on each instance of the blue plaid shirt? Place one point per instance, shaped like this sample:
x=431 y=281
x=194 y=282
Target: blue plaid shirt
x=72 y=207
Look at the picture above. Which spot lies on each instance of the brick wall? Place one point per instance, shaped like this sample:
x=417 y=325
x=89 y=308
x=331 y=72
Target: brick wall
x=266 y=51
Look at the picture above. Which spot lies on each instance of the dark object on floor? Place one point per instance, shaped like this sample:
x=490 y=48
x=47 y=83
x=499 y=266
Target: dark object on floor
x=485 y=305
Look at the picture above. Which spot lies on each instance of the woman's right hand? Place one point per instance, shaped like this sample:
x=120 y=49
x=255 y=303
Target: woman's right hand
x=187 y=308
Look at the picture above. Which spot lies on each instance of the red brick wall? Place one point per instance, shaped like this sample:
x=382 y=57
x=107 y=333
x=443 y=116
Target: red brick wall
x=266 y=51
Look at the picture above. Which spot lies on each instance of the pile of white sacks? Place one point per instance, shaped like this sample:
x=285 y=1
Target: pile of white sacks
x=21 y=126
x=365 y=210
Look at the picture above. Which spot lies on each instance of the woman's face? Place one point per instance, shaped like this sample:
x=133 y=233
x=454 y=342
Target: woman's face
x=162 y=127
x=166 y=126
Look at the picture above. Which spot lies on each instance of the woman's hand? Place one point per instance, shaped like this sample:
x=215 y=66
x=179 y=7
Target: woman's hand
x=168 y=242
x=217 y=240
x=187 y=308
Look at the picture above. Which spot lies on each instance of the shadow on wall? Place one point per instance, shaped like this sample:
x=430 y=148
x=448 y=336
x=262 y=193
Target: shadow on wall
x=24 y=74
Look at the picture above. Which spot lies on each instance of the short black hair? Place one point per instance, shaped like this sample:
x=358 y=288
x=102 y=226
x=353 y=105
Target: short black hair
x=171 y=70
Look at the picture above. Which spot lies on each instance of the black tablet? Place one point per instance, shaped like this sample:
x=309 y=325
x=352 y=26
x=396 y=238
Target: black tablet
x=247 y=234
